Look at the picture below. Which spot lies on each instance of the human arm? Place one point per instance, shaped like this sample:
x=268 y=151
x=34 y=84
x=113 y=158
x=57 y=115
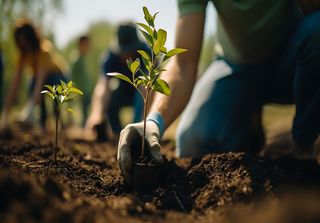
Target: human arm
x=181 y=77
x=182 y=70
x=309 y=6
x=99 y=100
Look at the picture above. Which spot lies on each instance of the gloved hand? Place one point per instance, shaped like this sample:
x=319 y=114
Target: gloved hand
x=130 y=145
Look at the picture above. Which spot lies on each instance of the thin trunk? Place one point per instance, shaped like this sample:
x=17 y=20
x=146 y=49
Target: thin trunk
x=145 y=109
x=56 y=143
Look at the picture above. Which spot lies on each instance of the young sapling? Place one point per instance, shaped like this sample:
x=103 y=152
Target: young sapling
x=61 y=94
x=153 y=62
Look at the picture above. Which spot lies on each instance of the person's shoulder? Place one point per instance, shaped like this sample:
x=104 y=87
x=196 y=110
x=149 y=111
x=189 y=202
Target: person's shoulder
x=46 y=46
x=109 y=55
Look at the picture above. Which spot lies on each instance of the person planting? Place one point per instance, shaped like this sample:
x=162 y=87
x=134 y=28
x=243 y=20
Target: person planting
x=47 y=66
x=269 y=51
x=150 y=80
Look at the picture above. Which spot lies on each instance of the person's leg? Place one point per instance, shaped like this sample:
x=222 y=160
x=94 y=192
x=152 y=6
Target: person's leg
x=297 y=79
x=224 y=112
x=306 y=126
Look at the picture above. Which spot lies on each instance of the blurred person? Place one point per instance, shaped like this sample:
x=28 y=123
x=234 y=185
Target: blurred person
x=80 y=74
x=47 y=67
x=269 y=51
x=111 y=95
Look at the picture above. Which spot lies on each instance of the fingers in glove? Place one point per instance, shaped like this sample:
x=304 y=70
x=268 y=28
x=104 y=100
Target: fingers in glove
x=155 y=151
x=125 y=162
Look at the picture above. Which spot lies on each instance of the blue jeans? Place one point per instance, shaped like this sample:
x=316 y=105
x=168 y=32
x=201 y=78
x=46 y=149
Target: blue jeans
x=224 y=112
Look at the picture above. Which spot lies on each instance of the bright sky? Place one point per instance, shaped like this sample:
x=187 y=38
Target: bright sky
x=79 y=14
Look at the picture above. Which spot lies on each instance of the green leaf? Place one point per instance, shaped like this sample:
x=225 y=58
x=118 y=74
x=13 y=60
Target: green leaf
x=142 y=80
x=69 y=98
x=154 y=16
x=152 y=74
x=147 y=37
x=49 y=87
x=45 y=92
x=147 y=28
x=144 y=55
x=162 y=37
x=129 y=62
x=61 y=99
x=160 y=70
x=75 y=91
x=70 y=84
x=162 y=87
x=70 y=110
x=134 y=66
x=174 y=52
x=164 y=50
x=146 y=63
x=146 y=12
x=48 y=93
x=148 y=17
x=155 y=35
x=59 y=89
x=120 y=76
x=63 y=85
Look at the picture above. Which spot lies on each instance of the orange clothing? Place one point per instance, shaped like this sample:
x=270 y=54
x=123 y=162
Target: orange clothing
x=47 y=59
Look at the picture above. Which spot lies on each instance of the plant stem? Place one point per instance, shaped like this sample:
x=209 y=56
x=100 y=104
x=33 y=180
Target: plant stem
x=56 y=143
x=145 y=110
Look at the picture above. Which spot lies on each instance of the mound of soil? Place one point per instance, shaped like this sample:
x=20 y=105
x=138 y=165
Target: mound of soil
x=85 y=185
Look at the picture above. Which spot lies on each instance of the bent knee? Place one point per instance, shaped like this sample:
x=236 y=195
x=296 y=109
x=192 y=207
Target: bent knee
x=195 y=144
x=310 y=29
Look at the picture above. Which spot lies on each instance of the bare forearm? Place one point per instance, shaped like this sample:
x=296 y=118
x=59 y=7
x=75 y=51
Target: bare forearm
x=181 y=72
x=100 y=97
x=181 y=82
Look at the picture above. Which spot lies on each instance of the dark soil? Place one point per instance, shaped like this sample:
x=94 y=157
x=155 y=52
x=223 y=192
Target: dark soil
x=85 y=185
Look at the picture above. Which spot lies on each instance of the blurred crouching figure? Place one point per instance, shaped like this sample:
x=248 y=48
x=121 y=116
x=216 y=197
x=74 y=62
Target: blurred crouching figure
x=47 y=67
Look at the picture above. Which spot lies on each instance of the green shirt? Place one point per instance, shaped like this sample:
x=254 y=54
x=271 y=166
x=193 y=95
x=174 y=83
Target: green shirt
x=249 y=30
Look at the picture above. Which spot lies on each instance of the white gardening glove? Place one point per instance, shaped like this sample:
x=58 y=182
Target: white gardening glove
x=26 y=114
x=130 y=145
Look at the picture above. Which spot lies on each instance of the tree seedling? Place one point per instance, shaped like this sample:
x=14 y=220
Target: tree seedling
x=153 y=62
x=61 y=94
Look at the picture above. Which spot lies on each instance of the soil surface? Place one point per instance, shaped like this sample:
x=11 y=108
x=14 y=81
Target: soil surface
x=84 y=185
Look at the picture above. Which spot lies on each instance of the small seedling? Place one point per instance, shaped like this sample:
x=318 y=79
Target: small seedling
x=60 y=94
x=153 y=63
